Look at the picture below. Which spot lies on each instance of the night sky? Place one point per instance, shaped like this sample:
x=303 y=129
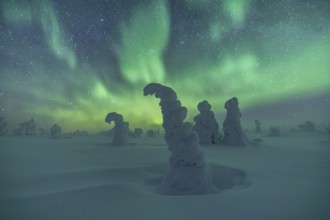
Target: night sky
x=72 y=62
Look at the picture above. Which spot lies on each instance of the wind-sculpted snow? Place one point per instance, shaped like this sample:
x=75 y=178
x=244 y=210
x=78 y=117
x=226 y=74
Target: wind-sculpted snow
x=206 y=125
x=233 y=133
x=120 y=130
x=188 y=172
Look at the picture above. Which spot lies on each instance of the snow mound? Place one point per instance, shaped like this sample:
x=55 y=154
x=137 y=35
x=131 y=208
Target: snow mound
x=223 y=178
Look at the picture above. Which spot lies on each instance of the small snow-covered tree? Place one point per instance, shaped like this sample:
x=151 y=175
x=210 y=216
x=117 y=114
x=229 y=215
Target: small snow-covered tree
x=3 y=127
x=21 y=131
x=151 y=133
x=120 y=130
x=233 y=133
x=31 y=127
x=80 y=133
x=42 y=132
x=274 y=132
x=258 y=126
x=206 y=125
x=137 y=133
x=327 y=129
x=188 y=172
x=28 y=128
x=55 y=131
x=307 y=126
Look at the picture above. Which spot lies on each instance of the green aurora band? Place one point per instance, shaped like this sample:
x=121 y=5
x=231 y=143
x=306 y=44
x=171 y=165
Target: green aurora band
x=43 y=13
x=143 y=42
x=64 y=89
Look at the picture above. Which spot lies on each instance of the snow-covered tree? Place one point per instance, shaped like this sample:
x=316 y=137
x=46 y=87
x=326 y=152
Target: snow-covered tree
x=42 y=132
x=3 y=127
x=28 y=128
x=188 y=172
x=31 y=127
x=21 y=131
x=80 y=133
x=206 y=125
x=137 y=133
x=55 y=131
x=307 y=126
x=258 y=126
x=233 y=133
x=120 y=130
x=327 y=129
x=274 y=132
x=151 y=133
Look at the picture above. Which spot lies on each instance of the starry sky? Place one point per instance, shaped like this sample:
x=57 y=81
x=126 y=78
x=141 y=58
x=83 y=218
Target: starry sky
x=72 y=62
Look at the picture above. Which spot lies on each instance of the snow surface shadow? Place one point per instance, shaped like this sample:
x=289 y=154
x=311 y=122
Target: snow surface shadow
x=133 y=180
x=90 y=202
x=102 y=144
x=224 y=177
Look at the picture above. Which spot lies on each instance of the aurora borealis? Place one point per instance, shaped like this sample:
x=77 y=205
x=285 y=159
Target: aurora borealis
x=72 y=62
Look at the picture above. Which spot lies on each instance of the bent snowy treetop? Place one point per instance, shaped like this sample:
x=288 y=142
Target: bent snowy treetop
x=113 y=116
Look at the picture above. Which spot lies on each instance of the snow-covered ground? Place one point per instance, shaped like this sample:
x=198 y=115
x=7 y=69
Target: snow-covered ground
x=86 y=178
